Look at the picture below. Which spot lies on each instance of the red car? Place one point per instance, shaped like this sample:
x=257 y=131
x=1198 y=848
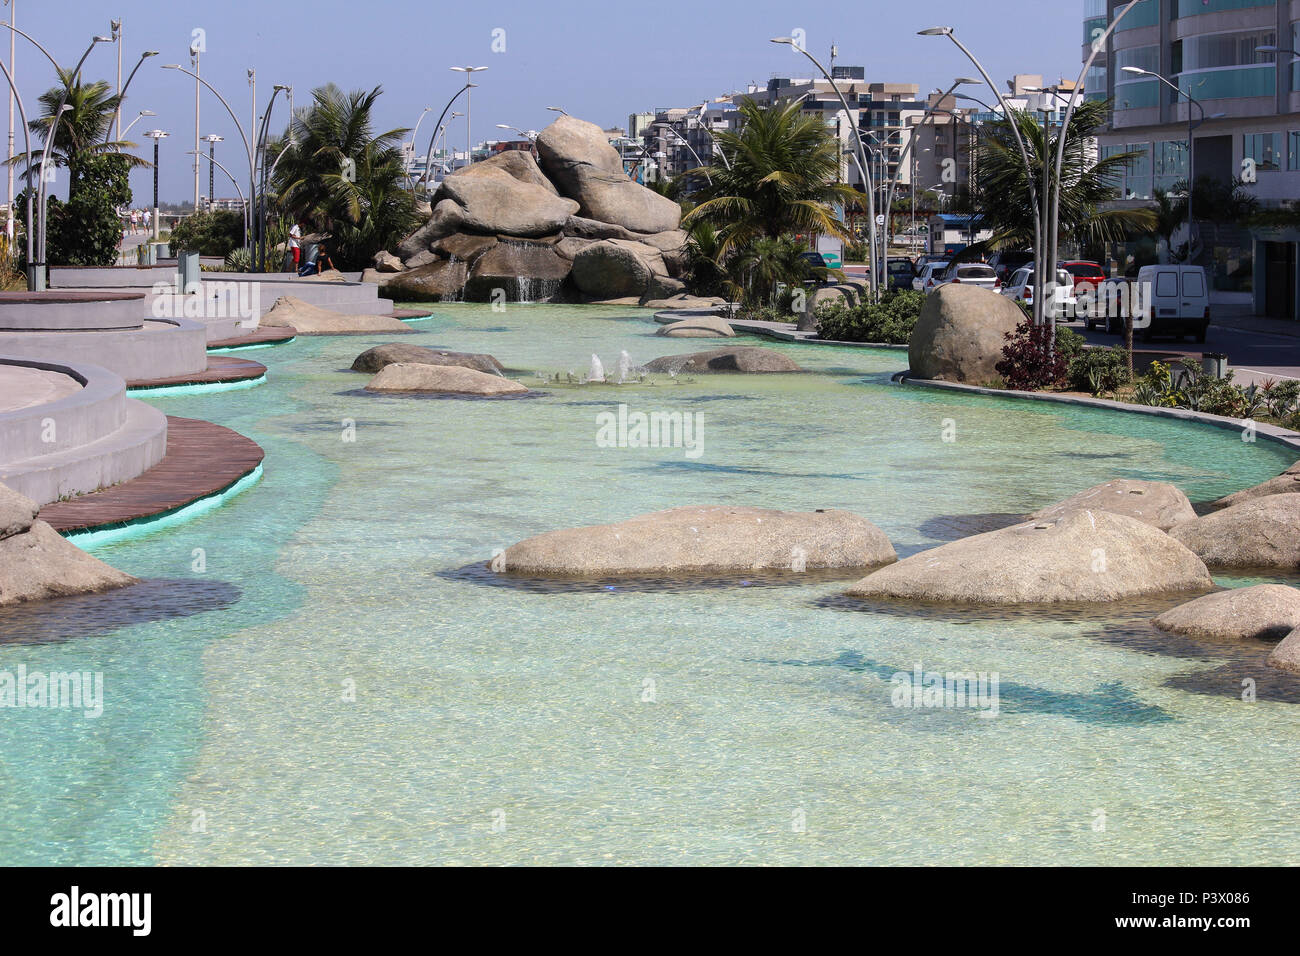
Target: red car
x=1087 y=275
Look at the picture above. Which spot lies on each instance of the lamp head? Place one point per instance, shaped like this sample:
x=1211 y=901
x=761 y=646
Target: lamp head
x=103 y=40
x=935 y=32
x=148 y=53
x=786 y=40
x=171 y=66
x=1135 y=70
x=148 y=113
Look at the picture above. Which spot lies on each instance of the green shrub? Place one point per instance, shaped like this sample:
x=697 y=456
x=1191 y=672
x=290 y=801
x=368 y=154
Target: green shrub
x=1097 y=370
x=240 y=260
x=216 y=233
x=889 y=321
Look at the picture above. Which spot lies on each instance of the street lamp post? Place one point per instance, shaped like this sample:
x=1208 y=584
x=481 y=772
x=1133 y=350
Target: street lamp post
x=212 y=140
x=1191 y=152
x=428 y=159
x=261 y=197
x=873 y=278
x=143 y=114
x=469 y=72
x=415 y=138
x=242 y=199
x=32 y=275
x=1013 y=122
x=157 y=136
x=122 y=93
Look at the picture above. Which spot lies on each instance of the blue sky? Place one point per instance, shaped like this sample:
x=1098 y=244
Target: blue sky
x=598 y=60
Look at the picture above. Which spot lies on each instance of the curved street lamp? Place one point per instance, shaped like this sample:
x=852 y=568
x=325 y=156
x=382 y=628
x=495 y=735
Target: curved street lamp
x=428 y=159
x=469 y=72
x=122 y=93
x=861 y=157
x=143 y=114
x=216 y=162
x=32 y=285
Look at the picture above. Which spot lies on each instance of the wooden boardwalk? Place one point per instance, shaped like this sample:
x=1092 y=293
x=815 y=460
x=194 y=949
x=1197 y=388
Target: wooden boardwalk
x=202 y=459
x=221 y=368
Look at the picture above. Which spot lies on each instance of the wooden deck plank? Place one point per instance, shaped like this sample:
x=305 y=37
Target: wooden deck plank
x=221 y=368
x=202 y=459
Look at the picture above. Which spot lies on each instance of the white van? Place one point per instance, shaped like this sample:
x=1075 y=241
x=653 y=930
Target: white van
x=1171 y=300
x=1178 y=302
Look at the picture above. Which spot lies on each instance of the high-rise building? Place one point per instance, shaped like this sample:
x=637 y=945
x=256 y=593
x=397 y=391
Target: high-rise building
x=1244 y=121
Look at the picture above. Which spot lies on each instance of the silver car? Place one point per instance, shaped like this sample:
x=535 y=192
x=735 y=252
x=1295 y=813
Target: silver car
x=970 y=273
x=928 y=278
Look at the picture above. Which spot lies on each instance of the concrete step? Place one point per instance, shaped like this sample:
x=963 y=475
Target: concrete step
x=135 y=447
x=94 y=411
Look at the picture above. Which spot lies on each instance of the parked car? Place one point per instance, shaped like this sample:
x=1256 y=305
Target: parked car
x=928 y=277
x=1020 y=287
x=1087 y=275
x=970 y=273
x=901 y=273
x=926 y=258
x=1175 y=301
x=1006 y=262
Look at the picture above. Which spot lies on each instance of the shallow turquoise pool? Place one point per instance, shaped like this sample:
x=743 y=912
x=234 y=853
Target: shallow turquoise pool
x=332 y=687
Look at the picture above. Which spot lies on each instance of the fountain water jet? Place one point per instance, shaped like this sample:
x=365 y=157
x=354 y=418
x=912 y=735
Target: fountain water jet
x=597 y=373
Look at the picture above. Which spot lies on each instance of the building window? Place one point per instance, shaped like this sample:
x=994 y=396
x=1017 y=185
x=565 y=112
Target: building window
x=1193 y=8
x=1170 y=164
x=1145 y=14
x=1293 y=149
x=1143 y=57
x=1222 y=49
x=1265 y=149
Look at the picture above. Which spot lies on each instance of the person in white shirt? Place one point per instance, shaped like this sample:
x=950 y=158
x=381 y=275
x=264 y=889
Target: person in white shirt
x=295 y=244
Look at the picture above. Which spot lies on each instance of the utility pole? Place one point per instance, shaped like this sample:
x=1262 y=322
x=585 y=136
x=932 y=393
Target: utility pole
x=117 y=38
x=9 y=222
x=194 y=57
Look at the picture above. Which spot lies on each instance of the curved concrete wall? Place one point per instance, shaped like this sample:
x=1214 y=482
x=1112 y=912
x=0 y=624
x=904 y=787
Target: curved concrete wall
x=70 y=311
x=158 y=349
x=99 y=437
x=110 y=277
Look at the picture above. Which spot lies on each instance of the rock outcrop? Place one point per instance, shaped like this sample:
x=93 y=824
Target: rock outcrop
x=37 y=563
x=960 y=334
x=703 y=539
x=310 y=319
x=1265 y=612
x=1286 y=656
x=450 y=379
x=578 y=197
x=1083 y=556
x=1159 y=504
x=1258 y=533
x=1286 y=483
x=742 y=358
x=381 y=356
x=700 y=326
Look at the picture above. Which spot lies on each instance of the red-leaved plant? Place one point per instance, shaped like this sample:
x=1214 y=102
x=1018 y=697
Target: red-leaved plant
x=1030 y=359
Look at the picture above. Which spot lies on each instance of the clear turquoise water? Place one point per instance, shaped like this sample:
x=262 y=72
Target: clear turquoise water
x=227 y=737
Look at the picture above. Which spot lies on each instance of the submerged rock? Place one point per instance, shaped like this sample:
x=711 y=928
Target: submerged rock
x=1258 y=533
x=413 y=377
x=381 y=356
x=1265 y=612
x=743 y=358
x=37 y=563
x=1286 y=483
x=704 y=539
x=1286 y=656
x=702 y=326
x=1158 y=503
x=308 y=319
x=1082 y=556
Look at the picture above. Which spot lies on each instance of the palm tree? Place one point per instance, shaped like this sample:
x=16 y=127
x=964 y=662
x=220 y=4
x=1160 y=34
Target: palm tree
x=782 y=179
x=340 y=176
x=82 y=130
x=1002 y=189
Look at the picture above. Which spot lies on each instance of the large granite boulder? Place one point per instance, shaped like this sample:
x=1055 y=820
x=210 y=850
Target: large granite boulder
x=463 y=246
x=1286 y=656
x=1259 y=533
x=493 y=201
x=1265 y=612
x=577 y=157
x=526 y=271
x=698 y=327
x=1286 y=483
x=381 y=356
x=37 y=563
x=308 y=319
x=741 y=358
x=434 y=282
x=1159 y=504
x=663 y=287
x=960 y=334
x=518 y=163
x=450 y=379
x=387 y=262
x=615 y=268
x=448 y=217
x=1083 y=556
x=704 y=539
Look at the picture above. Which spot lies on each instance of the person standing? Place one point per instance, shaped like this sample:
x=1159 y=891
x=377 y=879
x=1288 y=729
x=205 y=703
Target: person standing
x=295 y=244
